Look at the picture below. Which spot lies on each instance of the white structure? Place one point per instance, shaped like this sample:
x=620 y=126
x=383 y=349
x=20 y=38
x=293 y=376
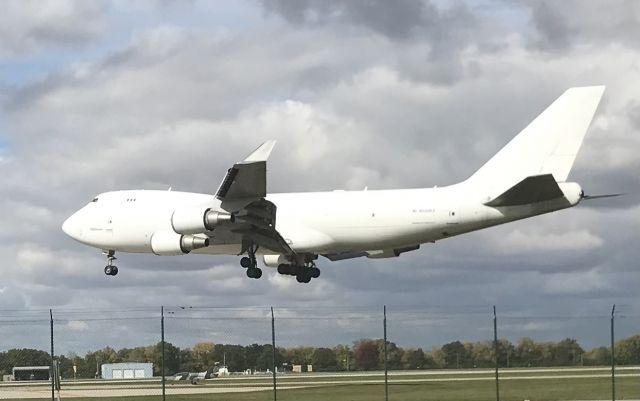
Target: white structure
x=127 y=370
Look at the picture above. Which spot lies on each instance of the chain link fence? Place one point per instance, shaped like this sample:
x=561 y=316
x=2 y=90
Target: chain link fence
x=287 y=353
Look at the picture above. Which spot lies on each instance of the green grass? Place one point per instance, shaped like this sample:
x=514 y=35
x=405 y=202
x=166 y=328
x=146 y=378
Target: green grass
x=476 y=390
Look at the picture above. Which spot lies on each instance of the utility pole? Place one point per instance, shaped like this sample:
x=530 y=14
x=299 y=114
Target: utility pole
x=613 y=356
x=495 y=344
x=386 y=371
x=162 y=351
x=53 y=371
x=273 y=348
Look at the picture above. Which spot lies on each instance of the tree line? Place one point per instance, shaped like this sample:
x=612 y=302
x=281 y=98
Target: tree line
x=362 y=355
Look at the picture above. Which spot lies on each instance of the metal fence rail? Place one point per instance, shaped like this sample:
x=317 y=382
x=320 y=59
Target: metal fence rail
x=280 y=349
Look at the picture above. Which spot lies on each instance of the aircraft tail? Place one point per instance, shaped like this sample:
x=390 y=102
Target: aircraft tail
x=548 y=145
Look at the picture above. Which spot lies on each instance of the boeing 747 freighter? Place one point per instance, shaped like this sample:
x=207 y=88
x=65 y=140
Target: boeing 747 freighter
x=526 y=178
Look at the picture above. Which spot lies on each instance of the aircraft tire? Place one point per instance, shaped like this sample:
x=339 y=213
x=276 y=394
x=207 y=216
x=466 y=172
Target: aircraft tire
x=107 y=270
x=114 y=270
x=303 y=277
x=254 y=272
x=315 y=272
x=245 y=262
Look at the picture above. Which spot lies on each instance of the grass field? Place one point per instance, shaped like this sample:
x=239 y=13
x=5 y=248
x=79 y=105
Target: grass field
x=522 y=384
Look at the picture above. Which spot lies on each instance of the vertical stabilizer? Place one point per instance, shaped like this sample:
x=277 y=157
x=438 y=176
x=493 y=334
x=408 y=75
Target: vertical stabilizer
x=548 y=145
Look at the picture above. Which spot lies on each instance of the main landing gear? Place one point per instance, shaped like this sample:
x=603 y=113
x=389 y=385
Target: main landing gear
x=251 y=264
x=110 y=269
x=304 y=272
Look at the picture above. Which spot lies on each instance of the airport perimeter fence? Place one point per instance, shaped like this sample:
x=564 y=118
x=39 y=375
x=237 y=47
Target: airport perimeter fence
x=287 y=353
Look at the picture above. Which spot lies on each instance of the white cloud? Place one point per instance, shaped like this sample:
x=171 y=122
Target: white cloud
x=576 y=282
x=518 y=241
x=27 y=25
x=77 y=326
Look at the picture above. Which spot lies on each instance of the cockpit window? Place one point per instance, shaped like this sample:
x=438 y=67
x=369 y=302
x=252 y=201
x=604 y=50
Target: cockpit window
x=94 y=200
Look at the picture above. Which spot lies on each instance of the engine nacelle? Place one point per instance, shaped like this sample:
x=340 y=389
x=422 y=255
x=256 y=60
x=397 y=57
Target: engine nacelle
x=274 y=260
x=198 y=220
x=168 y=243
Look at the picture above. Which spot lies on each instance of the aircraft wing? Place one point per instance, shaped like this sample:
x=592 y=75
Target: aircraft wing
x=243 y=192
x=257 y=225
x=248 y=178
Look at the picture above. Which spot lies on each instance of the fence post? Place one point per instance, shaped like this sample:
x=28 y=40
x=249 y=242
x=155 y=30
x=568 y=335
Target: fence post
x=386 y=371
x=273 y=348
x=52 y=370
x=495 y=345
x=613 y=356
x=162 y=351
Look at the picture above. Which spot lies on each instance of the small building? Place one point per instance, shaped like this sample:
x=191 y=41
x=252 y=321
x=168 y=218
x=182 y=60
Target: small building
x=302 y=368
x=23 y=373
x=127 y=370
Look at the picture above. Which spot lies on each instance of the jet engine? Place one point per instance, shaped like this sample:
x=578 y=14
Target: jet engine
x=167 y=243
x=274 y=260
x=198 y=220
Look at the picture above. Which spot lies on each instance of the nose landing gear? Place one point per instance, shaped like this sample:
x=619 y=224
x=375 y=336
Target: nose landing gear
x=110 y=269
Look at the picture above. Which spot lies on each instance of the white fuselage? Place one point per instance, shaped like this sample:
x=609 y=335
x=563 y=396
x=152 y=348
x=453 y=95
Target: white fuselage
x=312 y=222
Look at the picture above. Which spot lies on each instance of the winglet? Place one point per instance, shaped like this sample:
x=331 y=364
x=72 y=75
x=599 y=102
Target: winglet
x=262 y=153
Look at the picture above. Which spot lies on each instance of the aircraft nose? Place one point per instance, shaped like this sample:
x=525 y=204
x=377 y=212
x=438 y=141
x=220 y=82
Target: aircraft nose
x=72 y=228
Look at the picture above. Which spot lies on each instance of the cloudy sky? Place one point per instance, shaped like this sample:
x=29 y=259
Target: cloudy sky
x=99 y=96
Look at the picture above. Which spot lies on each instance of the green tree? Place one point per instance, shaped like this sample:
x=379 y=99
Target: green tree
x=324 y=359
x=456 y=355
x=344 y=357
x=235 y=357
x=171 y=358
x=394 y=355
x=300 y=355
x=203 y=356
x=265 y=361
x=252 y=354
x=23 y=357
x=628 y=351
x=413 y=359
x=597 y=356
x=566 y=352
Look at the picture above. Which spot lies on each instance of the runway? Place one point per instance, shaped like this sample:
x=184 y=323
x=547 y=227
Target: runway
x=243 y=384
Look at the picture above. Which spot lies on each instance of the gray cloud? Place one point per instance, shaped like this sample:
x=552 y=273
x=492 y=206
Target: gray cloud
x=374 y=107
x=29 y=25
x=561 y=25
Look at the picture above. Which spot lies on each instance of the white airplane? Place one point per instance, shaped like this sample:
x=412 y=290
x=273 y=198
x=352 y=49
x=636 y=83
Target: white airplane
x=527 y=177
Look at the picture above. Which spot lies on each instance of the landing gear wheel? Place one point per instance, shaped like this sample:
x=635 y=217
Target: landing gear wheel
x=254 y=272
x=303 y=276
x=246 y=262
x=110 y=269
x=315 y=272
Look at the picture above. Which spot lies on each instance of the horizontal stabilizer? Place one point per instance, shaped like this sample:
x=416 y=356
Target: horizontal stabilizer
x=538 y=188
x=589 y=197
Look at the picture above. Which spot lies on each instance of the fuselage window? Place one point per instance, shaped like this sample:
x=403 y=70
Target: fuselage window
x=94 y=200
